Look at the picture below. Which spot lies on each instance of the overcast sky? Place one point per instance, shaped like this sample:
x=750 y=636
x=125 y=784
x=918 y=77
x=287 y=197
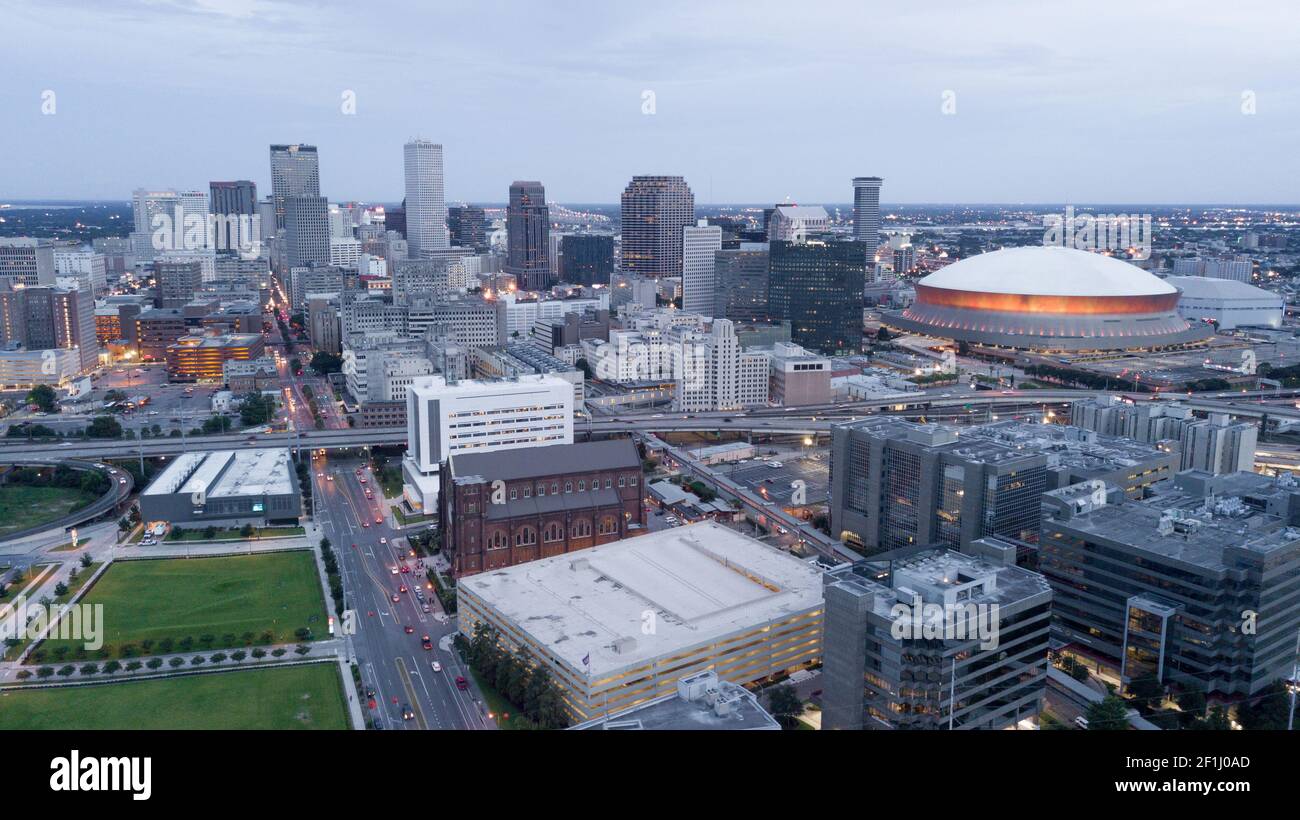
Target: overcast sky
x=1115 y=102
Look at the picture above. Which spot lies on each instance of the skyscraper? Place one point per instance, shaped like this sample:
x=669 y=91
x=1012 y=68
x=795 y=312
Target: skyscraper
x=467 y=226
x=238 y=197
x=528 y=229
x=306 y=230
x=234 y=204
x=426 y=209
x=655 y=209
x=866 y=212
x=26 y=261
x=295 y=171
x=742 y=281
x=817 y=286
x=587 y=259
x=699 y=288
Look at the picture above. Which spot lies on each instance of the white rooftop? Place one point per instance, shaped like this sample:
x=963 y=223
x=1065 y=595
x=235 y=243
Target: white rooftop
x=1205 y=287
x=1047 y=270
x=226 y=473
x=701 y=582
x=436 y=386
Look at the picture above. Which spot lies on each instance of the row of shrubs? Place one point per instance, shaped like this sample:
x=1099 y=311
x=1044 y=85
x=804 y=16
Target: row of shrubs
x=164 y=646
x=112 y=667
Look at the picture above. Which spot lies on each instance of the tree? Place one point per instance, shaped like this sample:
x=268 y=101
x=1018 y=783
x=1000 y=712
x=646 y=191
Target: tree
x=1217 y=721
x=1268 y=709
x=216 y=424
x=784 y=704
x=104 y=427
x=1147 y=692
x=1108 y=714
x=85 y=559
x=44 y=397
x=60 y=589
x=326 y=363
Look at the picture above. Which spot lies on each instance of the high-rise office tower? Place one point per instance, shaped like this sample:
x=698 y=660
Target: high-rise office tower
x=467 y=226
x=817 y=286
x=169 y=221
x=528 y=229
x=295 y=171
x=234 y=206
x=655 y=209
x=307 y=231
x=238 y=197
x=426 y=209
x=866 y=212
x=699 y=287
x=26 y=261
x=897 y=484
x=586 y=259
x=742 y=282
x=40 y=317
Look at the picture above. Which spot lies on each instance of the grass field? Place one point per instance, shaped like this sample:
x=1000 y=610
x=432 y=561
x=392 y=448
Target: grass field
x=297 y=697
x=178 y=598
x=22 y=506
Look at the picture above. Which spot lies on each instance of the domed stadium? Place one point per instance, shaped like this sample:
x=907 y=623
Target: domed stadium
x=1048 y=298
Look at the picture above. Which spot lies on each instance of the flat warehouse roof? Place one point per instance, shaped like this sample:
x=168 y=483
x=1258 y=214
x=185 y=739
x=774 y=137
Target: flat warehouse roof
x=692 y=584
x=226 y=473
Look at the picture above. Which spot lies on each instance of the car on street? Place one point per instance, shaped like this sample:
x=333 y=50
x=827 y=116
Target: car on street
x=402 y=589
x=394 y=570
x=425 y=607
x=461 y=683
x=426 y=643
x=409 y=629
x=407 y=712
x=435 y=666
x=379 y=519
x=397 y=598
x=383 y=540
x=365 y=524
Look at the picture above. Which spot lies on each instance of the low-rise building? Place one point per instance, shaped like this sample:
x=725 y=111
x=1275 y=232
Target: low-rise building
x=618 y=625
x=226 y=488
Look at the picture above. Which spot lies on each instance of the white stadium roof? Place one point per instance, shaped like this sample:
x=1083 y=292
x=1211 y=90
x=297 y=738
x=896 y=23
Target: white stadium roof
x=1047 y=270
x=1205 y=287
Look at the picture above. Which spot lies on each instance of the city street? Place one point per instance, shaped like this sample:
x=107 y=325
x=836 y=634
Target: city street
x=393 y=663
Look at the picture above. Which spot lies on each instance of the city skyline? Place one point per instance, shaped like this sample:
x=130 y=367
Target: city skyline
x=977 y=111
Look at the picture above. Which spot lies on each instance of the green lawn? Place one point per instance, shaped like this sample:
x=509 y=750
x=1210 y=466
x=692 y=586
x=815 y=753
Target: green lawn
x=22 y=506
x=296 y=697
x=177 y=598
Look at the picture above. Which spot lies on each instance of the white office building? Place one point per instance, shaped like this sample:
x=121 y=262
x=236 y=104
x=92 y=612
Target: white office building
x=345 y=252
x=426 y=209
x=700 y=244
x=717 y=375
x=89 y=268
x=444 y=419
x=793 y=223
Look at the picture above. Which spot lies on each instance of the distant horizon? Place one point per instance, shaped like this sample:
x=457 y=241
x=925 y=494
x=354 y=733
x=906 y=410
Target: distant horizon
x=12 y=203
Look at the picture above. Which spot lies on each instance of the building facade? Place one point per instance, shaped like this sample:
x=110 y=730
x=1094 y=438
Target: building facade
x=655 y=209
x=504 y=508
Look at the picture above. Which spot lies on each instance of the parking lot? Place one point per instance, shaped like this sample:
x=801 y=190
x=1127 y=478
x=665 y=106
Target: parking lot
x=774 y=482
